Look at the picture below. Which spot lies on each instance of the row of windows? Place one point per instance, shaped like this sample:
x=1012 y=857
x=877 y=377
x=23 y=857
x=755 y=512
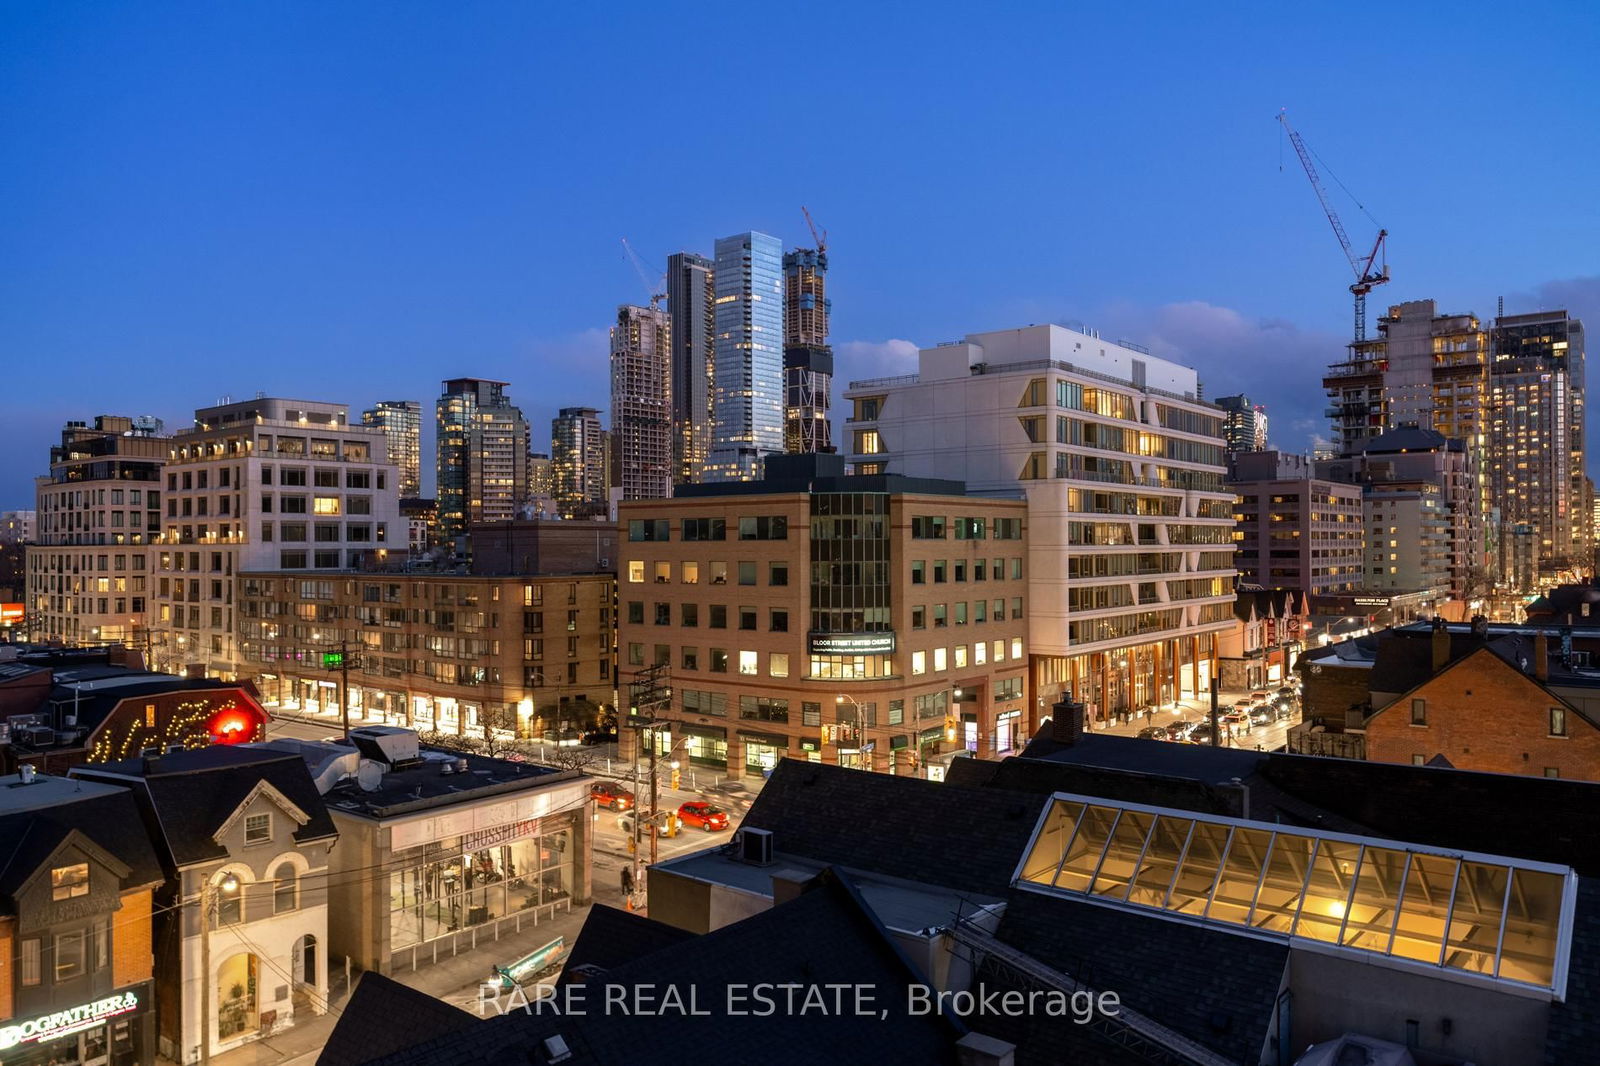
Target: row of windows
x=942 y=614
x=942 y=570
x=716 y=572
x=751 y=527
x=748 y=663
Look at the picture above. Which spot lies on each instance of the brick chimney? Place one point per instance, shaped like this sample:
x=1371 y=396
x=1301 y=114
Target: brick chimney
x=1441 y=645
x=1541 y=656
x=1066 y=722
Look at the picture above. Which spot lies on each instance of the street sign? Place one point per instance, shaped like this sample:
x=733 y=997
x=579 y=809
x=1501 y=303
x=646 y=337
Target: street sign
x=332 y=660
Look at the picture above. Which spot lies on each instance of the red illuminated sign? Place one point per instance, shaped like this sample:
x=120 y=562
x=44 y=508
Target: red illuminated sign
x=11 y=613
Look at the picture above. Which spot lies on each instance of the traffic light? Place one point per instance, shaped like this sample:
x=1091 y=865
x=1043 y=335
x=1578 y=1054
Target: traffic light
x=950 y=727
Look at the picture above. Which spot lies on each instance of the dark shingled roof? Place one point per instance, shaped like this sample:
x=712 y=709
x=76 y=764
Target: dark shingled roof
x=111 y=822
x=384 y=1017
x=827 y=935
x=609 y=938
x=1215 y=987
x=967 y=839
x=192 y=793
x=1574 y=1031
x=1042 y=777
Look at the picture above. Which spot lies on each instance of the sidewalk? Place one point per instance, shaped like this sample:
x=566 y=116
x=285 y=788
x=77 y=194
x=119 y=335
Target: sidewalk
x=455 y=981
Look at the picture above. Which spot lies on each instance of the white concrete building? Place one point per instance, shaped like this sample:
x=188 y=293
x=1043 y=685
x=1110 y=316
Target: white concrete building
x=261 y=485
x=1130 y=524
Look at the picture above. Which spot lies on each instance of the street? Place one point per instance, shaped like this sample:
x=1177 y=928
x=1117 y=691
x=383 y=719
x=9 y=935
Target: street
x=1267 y=737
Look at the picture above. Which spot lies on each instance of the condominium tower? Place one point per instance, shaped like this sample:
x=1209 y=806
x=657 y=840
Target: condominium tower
x=747 y=393
x=691 y=306
x=1536 y=444
x=641 y=402
x=401 y=422
x=578 y=463
x=1244 y=425
x=482 y=455
x=807 y=358
x=98 y=510
x=1130 y=573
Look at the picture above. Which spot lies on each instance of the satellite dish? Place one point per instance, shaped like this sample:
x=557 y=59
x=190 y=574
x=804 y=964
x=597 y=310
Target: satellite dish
x=369 y=775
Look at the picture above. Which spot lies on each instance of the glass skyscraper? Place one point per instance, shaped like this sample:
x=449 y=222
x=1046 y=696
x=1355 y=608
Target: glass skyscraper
x=747 y=380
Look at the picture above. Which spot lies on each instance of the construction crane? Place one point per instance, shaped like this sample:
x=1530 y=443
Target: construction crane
x=657 y=289
x=1366 y=277
x=820 y=238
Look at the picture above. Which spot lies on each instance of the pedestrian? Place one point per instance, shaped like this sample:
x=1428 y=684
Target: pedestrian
x=627 y=880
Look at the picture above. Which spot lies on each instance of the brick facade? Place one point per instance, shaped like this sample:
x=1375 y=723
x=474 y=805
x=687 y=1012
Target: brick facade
x=1481 y=713
x=131 y=950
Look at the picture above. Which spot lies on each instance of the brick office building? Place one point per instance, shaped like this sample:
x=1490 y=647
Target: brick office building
x=873 y=621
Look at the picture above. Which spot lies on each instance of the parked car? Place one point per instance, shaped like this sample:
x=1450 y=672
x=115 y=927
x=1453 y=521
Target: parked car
x=1287 y=692
x=1259 y=698
x=1200 y=734
x=1240 y=719
x=702 y=815
x=612 y=795
x=1262 y=715
x=1153 y=732
x=1180 y=730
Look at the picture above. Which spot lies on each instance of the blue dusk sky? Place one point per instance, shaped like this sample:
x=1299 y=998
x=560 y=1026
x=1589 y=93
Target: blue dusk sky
x=354 y=201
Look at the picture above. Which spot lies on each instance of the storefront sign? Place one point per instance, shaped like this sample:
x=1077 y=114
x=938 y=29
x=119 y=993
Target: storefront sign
x=500 y=834
x=852 y=643
x=1371 y=601
x=11 y=613
x=482 y=817
x=67 y=1022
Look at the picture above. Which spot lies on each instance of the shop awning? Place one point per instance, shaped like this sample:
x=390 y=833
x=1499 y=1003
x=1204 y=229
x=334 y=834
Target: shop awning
x=898 y=741
x=776 y=740
x=929 y=736
x=689 y=729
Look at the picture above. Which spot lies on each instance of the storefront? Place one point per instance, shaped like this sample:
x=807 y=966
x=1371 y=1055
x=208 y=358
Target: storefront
x=113 y=1030
x=762 y=751
x=468 y=855
x=478 y=878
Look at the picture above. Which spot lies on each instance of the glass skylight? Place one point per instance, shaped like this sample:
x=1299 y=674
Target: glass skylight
x=1497 y=918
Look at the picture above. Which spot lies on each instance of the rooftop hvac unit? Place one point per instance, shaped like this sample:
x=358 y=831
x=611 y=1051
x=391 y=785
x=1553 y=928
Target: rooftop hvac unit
x=755 y=847
x=40 y=736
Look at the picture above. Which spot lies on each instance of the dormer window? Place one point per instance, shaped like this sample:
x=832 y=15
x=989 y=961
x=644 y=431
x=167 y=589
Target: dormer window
x=69 y=882
x=257 y=829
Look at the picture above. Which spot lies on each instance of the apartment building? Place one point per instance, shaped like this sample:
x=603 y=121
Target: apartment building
x=1130 y=519
x=401 y=422
x=1244 y=424
x=1415 y=455
x=807 y=356
x=691 y=306
x=641 y=402
x=747 y=370
x=259 y=486
x=580 y=462
x=1537 y=449
x=97 y=513
x=482 y=450
x=1408 y=539
x=1294 y=530
x=521 y=645
x=875 y=621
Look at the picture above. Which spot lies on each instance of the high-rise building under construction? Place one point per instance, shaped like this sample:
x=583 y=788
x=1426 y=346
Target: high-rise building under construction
x=807 y=358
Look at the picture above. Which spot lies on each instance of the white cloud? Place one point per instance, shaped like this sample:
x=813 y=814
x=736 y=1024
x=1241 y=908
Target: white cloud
x=854 y=360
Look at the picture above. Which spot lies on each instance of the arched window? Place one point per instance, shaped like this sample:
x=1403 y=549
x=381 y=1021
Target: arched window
x=284 y=888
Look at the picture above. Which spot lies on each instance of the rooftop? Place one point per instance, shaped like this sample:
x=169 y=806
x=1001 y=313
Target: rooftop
x=18 y=794
x=901 y=905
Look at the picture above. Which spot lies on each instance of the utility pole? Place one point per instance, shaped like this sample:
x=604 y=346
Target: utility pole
x=341 y=661
x=648 y=694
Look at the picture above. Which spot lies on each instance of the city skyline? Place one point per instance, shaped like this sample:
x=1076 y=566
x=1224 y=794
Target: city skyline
x=178 y=286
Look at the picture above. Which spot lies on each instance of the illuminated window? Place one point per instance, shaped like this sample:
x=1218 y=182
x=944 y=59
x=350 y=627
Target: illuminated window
x=749 y=662
x=636 y=570
x=67 y=882
x=778 y=664
x=919 y=663
x=325 y=505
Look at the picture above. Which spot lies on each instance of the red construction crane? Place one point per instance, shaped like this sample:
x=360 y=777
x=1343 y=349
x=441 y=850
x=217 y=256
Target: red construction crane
x=820 y=238
x=1366 y=278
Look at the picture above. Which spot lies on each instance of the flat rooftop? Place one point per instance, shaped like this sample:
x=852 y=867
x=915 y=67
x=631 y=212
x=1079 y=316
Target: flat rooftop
x=901 y=905
x=44 y=791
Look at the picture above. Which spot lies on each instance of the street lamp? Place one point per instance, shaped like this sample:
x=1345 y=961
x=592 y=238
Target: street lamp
x=861 y=725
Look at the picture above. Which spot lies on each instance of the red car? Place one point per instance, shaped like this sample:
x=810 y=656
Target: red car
x=610 y=794
x=704 y=815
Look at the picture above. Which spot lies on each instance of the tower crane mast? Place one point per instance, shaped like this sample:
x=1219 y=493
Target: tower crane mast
x=657 y=288
x=1367 y=277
